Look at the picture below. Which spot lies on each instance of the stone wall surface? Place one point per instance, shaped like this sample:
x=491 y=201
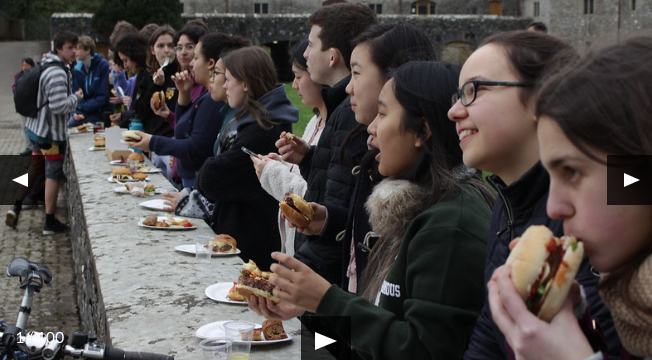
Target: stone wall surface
x=54 y=309
x=136 y=292
x=265 y=29
x=608 y=22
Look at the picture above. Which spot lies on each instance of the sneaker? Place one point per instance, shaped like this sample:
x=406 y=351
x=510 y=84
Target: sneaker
x=12 y=219
x=56 y=227
x=26 y=152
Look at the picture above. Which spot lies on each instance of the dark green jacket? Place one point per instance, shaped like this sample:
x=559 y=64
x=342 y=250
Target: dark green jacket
x=433 y=293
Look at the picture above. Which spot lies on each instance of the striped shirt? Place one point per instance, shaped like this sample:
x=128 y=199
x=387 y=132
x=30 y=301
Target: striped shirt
x=52 y=119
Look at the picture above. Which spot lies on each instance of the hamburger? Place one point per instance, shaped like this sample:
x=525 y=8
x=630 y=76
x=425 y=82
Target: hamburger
x=100 y=141
x=296 y=209
x=158 y=98
x=223 y=243
x=121 y=174
x=252 y=281
x=233 y=294
x=136 y=156
x=139 y=176
x=130 y=137
x=543 y=269
x=82 y=128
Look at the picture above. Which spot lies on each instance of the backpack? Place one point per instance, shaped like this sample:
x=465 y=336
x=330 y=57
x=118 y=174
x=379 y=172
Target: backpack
x=27 y=87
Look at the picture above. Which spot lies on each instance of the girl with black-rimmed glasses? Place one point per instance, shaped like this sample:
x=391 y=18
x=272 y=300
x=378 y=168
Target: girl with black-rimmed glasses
x=494 y=116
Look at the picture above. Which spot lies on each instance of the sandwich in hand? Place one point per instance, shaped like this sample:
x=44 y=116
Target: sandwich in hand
x=233 y=294
x=130 y=137
x=296 y=209
x=121 y=174
x=252 y=281
x=159 y=99
x=223 y=243
x=543 y=269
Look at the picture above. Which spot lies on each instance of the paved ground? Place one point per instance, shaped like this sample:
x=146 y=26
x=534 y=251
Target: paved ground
x=55 y=308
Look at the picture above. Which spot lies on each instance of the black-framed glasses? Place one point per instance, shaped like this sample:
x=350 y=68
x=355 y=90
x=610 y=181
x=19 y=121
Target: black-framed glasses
x=188 y=47
x=469 y=90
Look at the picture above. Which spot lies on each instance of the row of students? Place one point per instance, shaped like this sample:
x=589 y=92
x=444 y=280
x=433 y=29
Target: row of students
x=498 y=140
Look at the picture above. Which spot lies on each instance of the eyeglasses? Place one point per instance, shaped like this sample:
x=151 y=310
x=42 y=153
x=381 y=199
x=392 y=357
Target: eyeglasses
x=188 y=47
x=469 y=90
x=215 y=72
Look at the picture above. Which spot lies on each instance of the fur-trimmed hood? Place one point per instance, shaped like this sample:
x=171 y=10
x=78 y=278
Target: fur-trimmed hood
x=393 y=204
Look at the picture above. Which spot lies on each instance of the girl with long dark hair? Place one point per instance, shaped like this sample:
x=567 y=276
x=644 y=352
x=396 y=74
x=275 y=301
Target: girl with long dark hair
x=423 y=288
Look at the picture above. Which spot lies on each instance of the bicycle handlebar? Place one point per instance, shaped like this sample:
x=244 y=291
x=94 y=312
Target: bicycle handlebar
x=38 y=343
x=117 y=354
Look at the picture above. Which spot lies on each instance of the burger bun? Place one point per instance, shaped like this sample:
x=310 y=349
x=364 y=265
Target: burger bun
x=530 y=257
x=297 y=210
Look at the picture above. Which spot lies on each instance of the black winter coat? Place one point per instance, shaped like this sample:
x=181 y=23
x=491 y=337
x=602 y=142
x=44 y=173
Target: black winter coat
x=328 y=182
x=242 y=208
x=518 y=206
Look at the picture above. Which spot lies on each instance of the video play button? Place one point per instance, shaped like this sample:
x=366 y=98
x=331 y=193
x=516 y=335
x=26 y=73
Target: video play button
x=629 y=180
x=13 y=177
x=321 y=341
x=22 y=180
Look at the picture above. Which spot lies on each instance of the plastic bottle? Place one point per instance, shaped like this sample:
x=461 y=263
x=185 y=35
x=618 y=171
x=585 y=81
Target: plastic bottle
x=136 y=124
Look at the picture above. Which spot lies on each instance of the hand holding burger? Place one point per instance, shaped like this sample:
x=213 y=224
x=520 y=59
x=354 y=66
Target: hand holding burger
x=297 y=210
x=530 y=336
x=136 y=139
x=158 y=99
x=253 y=281
x=543 y=269
x=158 y=105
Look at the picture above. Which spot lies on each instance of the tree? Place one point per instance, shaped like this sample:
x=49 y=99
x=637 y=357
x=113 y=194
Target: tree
x=36 y=13
x=137 y=12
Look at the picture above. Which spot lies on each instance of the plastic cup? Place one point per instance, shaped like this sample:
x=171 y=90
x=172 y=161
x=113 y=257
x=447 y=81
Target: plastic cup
x=98 y=127
x=215 y=349
x=202 y=252
x=240 y=333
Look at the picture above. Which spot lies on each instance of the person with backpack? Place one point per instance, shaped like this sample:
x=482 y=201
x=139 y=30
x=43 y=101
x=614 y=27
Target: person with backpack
x=49 y=129
x=26 y=64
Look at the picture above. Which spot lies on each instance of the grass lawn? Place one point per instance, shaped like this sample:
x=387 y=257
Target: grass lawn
x=305 y=112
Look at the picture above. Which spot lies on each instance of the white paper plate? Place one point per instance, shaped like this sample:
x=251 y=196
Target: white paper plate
x=118 y=163
x=149 y=170
x=154 y=204
x=93 y=148
x=74 y=131
x=131 y=180
x=190 y=249
x=163 y=218
x=216 y=329
x=218 y=293
x=123 y=190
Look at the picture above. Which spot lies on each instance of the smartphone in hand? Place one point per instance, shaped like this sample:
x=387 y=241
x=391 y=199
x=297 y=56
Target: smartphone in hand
x=249 y=152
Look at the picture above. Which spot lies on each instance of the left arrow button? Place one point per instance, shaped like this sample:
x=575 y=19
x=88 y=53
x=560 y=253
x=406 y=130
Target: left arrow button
x=22 y=180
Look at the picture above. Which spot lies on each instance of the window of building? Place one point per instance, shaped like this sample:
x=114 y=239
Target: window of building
x=261 y=8
x=537 y=9
x=496 y=8
x=588 y=6
x=423 y=8
x=377 y=8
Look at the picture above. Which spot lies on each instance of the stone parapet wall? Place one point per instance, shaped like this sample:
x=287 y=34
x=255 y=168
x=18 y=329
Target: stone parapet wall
x=89 y=299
